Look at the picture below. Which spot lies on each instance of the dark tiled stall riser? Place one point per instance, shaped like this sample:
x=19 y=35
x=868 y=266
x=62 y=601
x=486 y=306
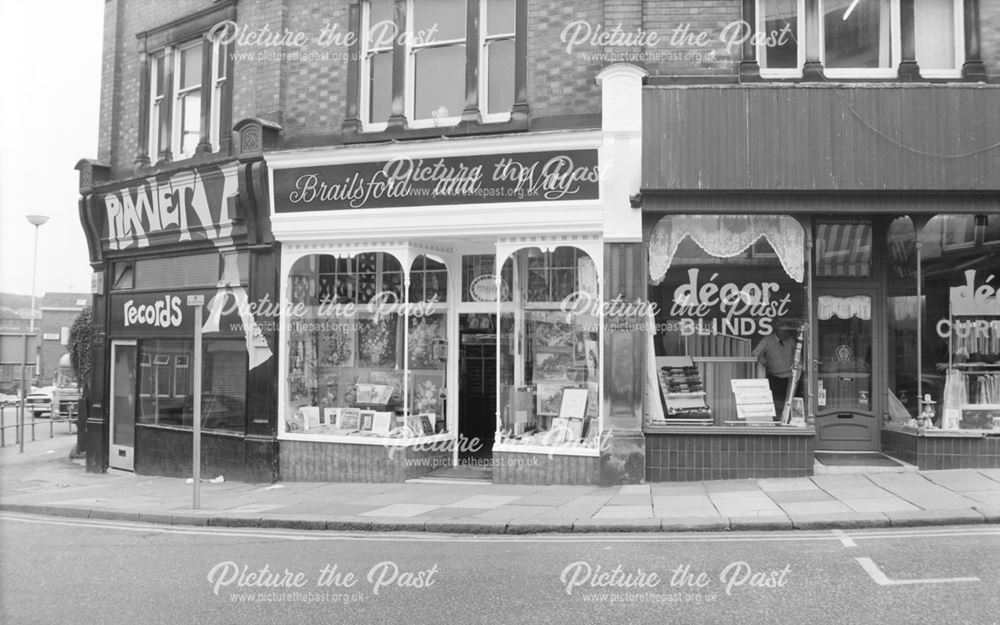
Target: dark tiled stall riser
x=543 y=469
x=931 y=453
x=303 y=461
x=167 y=452
x=692 y=457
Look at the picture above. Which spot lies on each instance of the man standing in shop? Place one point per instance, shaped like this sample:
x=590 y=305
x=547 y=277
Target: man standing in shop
x=776 y=353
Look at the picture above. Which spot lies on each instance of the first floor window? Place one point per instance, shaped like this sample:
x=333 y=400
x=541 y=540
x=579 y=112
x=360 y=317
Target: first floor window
x=176 y=95
x=437 y=52
x=860 y=37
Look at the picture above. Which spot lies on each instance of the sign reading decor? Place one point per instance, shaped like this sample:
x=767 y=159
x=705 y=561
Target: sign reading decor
x=741 y=302
x=169 y=208
x=495 y=178
x=164 y=314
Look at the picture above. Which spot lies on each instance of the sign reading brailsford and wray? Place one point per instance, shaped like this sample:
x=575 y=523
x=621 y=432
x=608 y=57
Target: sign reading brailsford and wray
x=571 y=175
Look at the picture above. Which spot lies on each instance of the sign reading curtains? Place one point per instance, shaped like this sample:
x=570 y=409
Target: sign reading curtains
x=366 y=357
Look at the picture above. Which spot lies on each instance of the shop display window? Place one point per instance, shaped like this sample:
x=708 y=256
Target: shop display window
x=362 y=360
x=166 y=386
x=727 y=336
x=960 y=373
x=549 y=391
x=901 y=318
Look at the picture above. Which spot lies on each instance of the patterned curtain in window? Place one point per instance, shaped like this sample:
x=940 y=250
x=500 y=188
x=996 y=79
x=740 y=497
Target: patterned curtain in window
x=723 y=236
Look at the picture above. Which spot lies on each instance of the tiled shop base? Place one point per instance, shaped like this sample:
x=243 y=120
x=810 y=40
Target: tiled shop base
x=691 y=457
x=303 y=461
x=931 y=453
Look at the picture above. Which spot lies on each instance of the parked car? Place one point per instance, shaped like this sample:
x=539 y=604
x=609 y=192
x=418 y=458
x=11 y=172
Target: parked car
x=8 y=400
x=39 y=401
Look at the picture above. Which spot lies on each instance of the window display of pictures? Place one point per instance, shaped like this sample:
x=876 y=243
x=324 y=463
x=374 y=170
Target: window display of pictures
x=381 y=422
x=350 y=349
x=573 y=404
x=350 y=419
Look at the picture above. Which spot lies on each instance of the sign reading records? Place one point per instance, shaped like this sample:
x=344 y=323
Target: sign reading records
x=571 y=175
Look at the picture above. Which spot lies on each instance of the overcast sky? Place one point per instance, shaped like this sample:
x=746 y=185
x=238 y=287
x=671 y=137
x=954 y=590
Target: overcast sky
x=50 y=72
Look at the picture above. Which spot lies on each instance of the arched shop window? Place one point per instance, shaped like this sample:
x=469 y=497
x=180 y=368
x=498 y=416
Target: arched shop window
x=350 y=369
x=550 y=364
x=960 y=273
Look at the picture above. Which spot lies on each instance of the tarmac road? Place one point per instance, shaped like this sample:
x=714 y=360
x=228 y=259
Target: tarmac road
x=115 y=572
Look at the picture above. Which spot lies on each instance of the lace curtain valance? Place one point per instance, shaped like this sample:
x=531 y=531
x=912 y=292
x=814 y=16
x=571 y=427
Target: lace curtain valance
x=723 y=236
x=857 y=306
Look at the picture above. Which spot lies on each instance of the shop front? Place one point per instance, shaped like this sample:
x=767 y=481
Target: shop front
x=159 y=244
x=442 y=309
x=806 y=309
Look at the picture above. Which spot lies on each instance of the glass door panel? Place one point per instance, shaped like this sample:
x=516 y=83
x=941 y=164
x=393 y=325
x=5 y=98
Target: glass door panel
x=123 y=388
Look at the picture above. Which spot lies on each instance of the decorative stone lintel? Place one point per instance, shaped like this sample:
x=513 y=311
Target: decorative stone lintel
x=256 y=136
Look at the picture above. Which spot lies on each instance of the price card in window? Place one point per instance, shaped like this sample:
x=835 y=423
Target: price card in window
x=754 y=401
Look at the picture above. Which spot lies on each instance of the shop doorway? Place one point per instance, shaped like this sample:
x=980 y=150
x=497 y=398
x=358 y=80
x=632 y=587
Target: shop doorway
x=121 y=451
x=477 y=384
x=848 y=365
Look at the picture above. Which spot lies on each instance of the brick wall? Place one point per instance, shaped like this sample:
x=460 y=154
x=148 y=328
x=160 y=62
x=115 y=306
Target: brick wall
x=561 y=82
x=681 y=56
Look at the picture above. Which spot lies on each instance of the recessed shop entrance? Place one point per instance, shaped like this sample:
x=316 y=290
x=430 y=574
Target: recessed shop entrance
x=122 y=414
x=848 y=366
x=477 y=387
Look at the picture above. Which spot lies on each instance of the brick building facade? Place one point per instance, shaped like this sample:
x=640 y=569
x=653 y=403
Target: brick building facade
x=538 y=136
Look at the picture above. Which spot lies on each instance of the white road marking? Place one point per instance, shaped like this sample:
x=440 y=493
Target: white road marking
x=331 y=535
x=844 y=538
x=881 y=579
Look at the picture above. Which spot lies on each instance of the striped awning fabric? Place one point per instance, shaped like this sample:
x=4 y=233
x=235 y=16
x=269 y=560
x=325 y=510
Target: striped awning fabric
x=844 y=250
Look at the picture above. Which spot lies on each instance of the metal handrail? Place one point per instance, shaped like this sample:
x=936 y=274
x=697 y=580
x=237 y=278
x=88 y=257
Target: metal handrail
x=69 y=418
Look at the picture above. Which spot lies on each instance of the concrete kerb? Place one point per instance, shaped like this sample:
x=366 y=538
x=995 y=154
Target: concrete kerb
x=847 y=521
x=841 y=521
x=916 y=518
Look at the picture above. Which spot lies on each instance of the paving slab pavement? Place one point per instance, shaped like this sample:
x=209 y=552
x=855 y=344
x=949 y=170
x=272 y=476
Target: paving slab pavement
x=45 y=481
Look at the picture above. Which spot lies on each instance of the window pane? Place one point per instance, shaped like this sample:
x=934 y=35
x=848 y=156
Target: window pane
x=500 y=59
x=162 y=130
x=499 y=17
x=440 y=84
x=380 y=87
x=844 y=250
x=191 y=67
x=441 y=20
x=857 y=33
x=220 y=61
x=935 y=33
x=781 y=16
x=190 y=122
x=158 y=76
x=380 y=19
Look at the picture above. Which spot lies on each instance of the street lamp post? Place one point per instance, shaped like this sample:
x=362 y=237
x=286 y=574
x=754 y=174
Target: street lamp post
x=36 y=221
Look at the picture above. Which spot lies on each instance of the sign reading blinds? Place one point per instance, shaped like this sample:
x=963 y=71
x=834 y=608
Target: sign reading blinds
x=527 y=177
